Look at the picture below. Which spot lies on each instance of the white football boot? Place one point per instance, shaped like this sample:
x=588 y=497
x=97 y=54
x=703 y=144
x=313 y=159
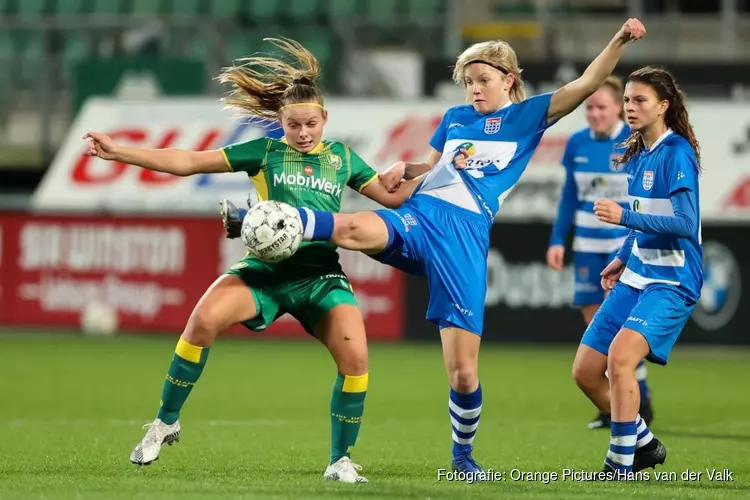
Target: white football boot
x=344 y=470
x=158 y=435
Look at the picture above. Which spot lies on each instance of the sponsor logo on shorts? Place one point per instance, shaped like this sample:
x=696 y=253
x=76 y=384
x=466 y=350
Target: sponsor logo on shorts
x=334 y=276
x=407 y=220
x=587 y=288
x=464 y=311
x=583 y=273
x=640 y=321
x=722 y=289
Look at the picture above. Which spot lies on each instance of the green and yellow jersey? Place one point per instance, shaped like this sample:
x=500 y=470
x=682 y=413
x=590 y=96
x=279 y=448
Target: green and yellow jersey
x=314 y=180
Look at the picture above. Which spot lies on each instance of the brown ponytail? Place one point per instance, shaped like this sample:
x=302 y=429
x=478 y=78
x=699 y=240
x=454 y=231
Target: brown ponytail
x=261 y=86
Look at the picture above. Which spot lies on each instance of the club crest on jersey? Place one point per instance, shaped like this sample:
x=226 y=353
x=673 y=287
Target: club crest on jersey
x=648 y=180
x=492 y=125
x=308 y=170
x=335 y=161
x=614 y=162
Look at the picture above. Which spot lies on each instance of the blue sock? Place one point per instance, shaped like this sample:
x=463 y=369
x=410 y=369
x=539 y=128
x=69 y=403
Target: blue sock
x=464 y=410
x=640 y=376
x=317 y=225
x=644 y=433
x=622 y=446
x=242 y=213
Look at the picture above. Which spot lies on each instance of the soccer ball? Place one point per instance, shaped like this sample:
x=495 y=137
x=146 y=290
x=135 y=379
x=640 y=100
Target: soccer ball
x=99 y=319
x=272 y=231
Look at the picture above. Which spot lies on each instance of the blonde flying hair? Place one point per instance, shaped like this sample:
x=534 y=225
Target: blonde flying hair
x=498 y=54
x=262 y=85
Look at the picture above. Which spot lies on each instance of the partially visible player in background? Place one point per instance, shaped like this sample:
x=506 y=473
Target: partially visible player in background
x=310 y=285
x=657 y=276
x=592 y=172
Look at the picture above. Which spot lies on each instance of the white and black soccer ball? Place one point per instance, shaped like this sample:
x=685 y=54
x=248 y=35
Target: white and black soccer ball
x=272 y=231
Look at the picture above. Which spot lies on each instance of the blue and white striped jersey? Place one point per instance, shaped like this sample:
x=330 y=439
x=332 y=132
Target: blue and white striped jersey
x=499 y=144
x=660 y=179
x=592 y=173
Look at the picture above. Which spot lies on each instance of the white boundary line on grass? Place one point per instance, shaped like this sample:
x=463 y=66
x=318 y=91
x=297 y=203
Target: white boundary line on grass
x=115 y=422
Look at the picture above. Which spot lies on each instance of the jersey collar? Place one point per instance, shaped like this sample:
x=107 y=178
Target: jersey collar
x=314 y=151
x=661 y=139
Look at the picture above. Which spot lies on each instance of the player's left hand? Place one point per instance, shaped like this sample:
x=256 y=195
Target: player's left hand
x=611 y=274
x=632 y=30
x=608 y=211
x=459 y=161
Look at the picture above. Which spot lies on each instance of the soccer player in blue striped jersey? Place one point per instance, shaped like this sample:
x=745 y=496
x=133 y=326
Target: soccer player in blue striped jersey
x=656 y=278
x=593 y=172
x=479 y=151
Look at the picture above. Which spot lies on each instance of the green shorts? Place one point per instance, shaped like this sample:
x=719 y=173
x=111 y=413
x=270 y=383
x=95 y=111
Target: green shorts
x=307 y=295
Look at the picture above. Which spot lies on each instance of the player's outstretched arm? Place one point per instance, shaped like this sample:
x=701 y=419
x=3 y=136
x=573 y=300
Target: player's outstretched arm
x=569 y=97
x=171 y=161
x=377 y=192
x=400 y=170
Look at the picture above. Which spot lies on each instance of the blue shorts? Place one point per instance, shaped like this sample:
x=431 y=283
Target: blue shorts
x=588 y=280
x=659 y=313
x=448 y=245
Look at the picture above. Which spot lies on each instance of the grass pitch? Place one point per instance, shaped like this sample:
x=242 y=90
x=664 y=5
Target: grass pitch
x=257 y=423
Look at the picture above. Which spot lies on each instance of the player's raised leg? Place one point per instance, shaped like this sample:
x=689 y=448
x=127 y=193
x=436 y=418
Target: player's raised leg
x=342 y=331
x=364 y=231
x=461 y=357
x=228 y=301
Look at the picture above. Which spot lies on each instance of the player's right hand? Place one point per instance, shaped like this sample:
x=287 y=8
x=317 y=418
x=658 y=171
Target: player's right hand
x=632 y=30
x=459 y=161
x=393 y=176
x=555 y=256
x=611 y=274
x=100 y=145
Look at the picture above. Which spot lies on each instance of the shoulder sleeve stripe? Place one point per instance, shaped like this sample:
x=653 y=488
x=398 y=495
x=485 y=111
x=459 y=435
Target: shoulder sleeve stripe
x=368 y=182
x=226 y=160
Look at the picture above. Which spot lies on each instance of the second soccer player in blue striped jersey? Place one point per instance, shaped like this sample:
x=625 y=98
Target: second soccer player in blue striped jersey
x=657 y=276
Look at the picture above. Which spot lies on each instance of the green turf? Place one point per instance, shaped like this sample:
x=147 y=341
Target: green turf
x=257 y=423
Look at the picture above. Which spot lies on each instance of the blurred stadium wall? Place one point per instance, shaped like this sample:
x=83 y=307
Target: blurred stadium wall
x=74 y=230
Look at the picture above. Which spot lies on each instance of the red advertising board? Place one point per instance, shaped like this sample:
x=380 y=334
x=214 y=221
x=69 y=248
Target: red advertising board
x=152 y=271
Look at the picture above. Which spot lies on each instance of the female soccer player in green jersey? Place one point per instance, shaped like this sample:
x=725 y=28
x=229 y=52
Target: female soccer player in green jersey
x=301 y=170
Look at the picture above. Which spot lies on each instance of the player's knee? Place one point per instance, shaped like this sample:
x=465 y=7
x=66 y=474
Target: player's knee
x=354 y=364
x=345 y=230
x=203 y=327
x=585 y=377
x=621 y=363
x=464 y=377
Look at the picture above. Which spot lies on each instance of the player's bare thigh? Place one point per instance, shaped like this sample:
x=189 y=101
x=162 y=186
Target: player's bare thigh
x=363 y=231
x=461 y=358
x=342 y=331
x=588 y=312
x=227 y=302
